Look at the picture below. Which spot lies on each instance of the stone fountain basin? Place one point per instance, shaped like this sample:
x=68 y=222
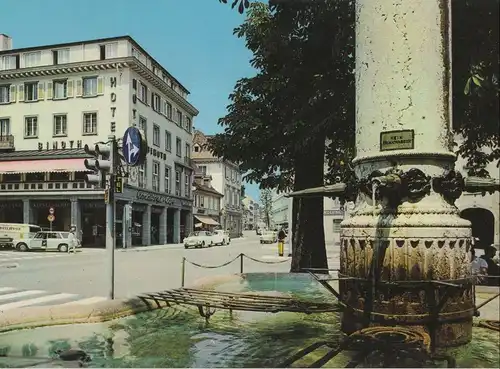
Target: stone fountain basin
x=266 y=339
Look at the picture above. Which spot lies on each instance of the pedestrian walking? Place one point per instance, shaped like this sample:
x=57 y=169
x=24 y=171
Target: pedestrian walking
x=72 y=239
x=479 y=266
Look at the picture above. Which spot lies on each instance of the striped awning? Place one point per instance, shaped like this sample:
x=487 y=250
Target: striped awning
x=42 y=166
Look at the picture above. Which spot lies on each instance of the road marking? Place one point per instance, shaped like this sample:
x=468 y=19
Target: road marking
x=14 y=295
x=6 y=289
x=18 y=304
x=88 y=301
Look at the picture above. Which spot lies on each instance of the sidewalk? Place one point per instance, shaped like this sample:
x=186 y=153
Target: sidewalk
x=172 y=246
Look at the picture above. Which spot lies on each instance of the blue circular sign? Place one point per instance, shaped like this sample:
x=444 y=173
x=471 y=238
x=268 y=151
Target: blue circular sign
x=134 y=146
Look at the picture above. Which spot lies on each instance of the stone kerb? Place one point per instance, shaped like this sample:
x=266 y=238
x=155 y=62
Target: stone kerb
x=41 y=316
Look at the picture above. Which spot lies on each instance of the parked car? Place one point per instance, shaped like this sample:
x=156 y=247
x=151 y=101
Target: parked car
x=44 y=240
x=221 y=237
x=199 y=239
x=268 y=237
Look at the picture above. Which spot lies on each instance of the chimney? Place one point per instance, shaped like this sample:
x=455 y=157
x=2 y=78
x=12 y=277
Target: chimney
x=5 y=42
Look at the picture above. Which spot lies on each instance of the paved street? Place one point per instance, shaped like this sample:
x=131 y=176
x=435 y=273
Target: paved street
x=42 y=278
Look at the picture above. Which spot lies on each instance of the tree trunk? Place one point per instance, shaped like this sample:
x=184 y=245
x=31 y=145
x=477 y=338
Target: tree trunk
x=308 y=242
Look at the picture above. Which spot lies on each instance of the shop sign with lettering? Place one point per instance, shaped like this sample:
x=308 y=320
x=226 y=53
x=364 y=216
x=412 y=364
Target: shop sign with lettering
x=154 y=197
x=397 y=140
x=334 y=212
x=60 y=145
x=50 y=204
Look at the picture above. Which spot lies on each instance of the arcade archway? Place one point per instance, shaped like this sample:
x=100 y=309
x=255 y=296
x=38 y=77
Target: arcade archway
x=483 y=224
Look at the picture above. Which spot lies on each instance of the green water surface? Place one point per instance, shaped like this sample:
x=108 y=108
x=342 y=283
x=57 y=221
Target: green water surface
x=179 y=337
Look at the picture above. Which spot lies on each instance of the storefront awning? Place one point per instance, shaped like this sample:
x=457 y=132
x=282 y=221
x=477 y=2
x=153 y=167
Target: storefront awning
x=206 y=220
x=41 y=166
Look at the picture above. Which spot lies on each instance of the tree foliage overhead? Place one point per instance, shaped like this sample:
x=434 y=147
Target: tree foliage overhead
x=475 y=80
x=303 y=90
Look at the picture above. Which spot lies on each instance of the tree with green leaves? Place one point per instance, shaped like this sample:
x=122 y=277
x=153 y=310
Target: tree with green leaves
x=302 y=94
x=266 y=201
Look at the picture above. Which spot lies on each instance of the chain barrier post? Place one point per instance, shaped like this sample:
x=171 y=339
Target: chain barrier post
x=241 y=263
x=183 y=271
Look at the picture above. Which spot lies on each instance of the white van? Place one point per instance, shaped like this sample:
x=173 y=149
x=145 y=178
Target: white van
x=16 y=231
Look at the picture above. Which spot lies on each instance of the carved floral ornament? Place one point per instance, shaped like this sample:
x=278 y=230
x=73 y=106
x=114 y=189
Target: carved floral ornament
x=414 y=185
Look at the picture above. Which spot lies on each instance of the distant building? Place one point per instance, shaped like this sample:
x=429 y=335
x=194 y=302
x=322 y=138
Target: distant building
x=226 y=179
x=54 y=99
x=251 y=213
x=207 y=203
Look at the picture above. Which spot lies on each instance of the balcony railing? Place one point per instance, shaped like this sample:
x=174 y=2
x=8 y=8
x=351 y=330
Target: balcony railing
x=7 y=142
x=45 y=186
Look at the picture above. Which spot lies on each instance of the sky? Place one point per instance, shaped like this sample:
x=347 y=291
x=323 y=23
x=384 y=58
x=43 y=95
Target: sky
x=192 y=39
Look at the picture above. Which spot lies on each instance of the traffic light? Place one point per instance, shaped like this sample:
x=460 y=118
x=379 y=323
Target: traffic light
x=101 y=165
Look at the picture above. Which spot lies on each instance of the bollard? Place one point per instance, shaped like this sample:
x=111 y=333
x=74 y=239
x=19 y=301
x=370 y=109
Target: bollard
x=241 y=263
x=183 y=271
x=281 y=248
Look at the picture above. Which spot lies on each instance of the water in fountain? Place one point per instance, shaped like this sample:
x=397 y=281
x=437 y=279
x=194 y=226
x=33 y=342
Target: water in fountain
x=179 y=337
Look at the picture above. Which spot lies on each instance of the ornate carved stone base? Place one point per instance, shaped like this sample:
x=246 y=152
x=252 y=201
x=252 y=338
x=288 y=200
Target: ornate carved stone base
x=412 y=257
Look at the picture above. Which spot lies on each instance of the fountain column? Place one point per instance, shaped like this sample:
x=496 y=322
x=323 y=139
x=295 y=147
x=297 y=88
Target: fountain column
x=412 y=231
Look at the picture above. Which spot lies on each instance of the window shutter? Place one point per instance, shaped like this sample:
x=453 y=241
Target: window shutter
x=100 y=85
x=49 y=90
x=153 y=100
x=70 y=88
x=41 y=90
x=134 y=84
x=162 y=106
x=78 y=87
x=20 y=92
x=13 y=93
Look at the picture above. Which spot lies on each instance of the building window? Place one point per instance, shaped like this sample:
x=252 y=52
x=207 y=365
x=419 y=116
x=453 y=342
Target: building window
x=177 y=182
x=168 y=110
x=32 y=59
x=60 y=125
x=187 y=186
x=168 y=141
x=4 y=94
x=156 y=135
x=143 y=125
x=143 y=93
x=225 y=172
x=188 y=124
x=8 y=62
x=90 y=86
x=111 y=50
x=188 y=151
x=178 y=147
x=30 y=127
x=196 y=148
x=156 y=176
x=156 y=102
x=179 y=118
x=4 y=127
x=203 y=169
x=60 y=89
x=89 y=123
x=60 y=56
x=142 y=176
x=168 y=178
x=31 y=91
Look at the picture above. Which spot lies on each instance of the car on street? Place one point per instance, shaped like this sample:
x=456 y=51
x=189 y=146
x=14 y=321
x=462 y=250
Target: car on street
x=269 y=237
x=221 y=237
x=49 y=241
x=199 y=239
x=16 y=231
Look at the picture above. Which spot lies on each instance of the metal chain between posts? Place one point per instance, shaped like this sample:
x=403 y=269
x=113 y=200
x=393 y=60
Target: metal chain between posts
x=240 y=256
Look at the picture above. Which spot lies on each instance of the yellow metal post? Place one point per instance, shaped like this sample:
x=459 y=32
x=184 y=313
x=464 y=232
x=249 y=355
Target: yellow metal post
x=281 y=247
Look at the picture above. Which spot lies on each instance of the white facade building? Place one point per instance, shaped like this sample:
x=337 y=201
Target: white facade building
x=251 y=215
x=54 y=99
x=226 y=179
